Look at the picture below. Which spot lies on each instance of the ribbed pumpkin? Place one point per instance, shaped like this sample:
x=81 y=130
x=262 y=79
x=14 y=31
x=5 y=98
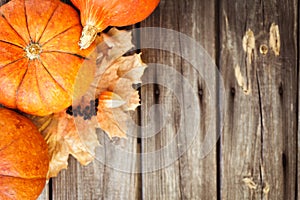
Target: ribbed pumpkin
x=24 y=159
x=39 y=55
x=96 y=15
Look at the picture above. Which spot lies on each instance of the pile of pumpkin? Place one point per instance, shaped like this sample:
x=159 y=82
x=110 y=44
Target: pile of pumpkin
x=43 y=44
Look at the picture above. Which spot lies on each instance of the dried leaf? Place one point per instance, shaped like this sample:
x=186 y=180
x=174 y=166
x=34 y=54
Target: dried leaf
x=63 y=138
x=113 y=86
x=111 y=46
x=113 y=121
x=116 y=83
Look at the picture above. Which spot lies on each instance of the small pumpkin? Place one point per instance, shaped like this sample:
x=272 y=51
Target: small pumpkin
x=24 y=159
x=97 y=15
x=39 y=55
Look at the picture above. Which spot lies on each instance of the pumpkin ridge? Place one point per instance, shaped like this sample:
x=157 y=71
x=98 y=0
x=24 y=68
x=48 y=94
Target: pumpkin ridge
x=25 y=178
x=56 y=82
x=18 y=175
x=3 y=16
x=32 y=189
x=11 y=44
x=3 y=148
x=17 y=85
x=17 y=96
x=25 y=13
x=72 y=54
x=47 y=23
x=38 y=83
x=16 y=19
x=12 y=62
x=58 y=35
x=20 y=85
x=39 y=86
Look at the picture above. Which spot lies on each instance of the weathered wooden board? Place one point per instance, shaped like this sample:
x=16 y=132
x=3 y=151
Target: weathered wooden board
x=189 y=176
x=259 y=140
x=98 y=181
x=297 y=193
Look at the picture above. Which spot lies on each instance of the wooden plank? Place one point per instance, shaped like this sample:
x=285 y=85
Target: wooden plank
x=297 y=193
x=188 y=177
x=101 y=179
x=198 y=174
x=259 y=139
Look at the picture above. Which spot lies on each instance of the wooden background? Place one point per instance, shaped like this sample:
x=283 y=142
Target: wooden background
x=257 y=155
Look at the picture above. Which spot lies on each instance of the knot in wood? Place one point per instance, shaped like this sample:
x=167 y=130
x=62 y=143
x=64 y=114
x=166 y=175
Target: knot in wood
x=263 y=49
x=280 y=90
x=232 y=91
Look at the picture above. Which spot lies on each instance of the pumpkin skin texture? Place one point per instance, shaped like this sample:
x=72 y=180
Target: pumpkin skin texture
x=39 y=55
x=97 y=15
x=24 y=159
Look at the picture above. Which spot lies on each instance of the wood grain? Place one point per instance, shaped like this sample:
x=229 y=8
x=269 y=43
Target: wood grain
x=97 y=180
x=189 y=176
x=297 y=193
x=259 y=139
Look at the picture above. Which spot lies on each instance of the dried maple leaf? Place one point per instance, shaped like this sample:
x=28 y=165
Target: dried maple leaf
x=112 y=84
x=111 y=46
x=63 y=138
x=116 y=94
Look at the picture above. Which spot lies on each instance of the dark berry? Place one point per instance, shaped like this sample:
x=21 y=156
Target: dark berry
x=96 y=103
x=69 y=111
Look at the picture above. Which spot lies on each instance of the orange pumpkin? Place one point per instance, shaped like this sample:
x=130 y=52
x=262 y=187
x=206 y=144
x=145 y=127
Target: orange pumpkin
x=39 y=55
x=24 y=159
x=96 y=15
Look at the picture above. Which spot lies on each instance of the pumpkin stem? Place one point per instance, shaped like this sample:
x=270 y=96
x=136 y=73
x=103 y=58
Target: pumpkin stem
x=33 y=51
x=88 y=36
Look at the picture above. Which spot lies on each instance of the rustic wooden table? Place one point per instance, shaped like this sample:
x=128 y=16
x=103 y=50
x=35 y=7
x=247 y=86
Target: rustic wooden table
x=257 y=155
